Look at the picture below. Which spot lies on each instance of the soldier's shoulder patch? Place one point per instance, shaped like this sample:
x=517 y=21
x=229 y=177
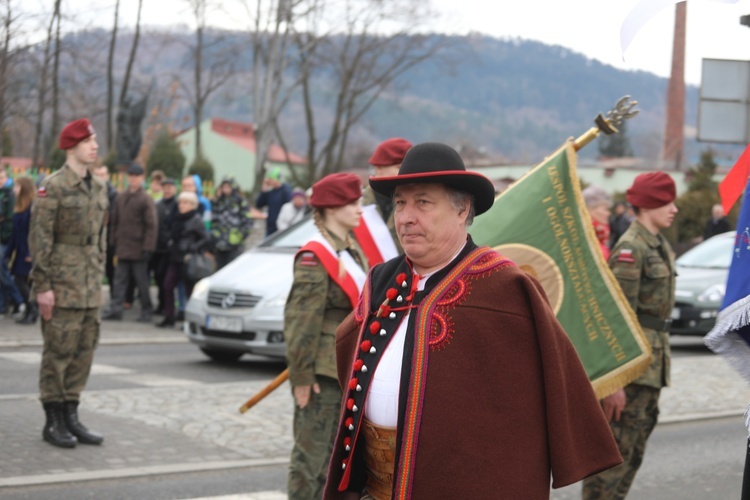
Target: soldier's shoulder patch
x=41 y=192
x=626 y=255
x=308 y=259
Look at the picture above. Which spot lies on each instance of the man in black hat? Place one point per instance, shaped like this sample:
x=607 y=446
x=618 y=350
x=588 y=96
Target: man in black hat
x=133 y=231
x=459 y=382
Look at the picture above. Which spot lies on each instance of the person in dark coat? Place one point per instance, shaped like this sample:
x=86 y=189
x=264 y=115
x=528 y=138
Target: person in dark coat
x=133 y=231
x=18 y=246
x=188 y=236
x=717 y=224
x=274 y=193
x=619 y=222
x=102 y=172
x=166 y=210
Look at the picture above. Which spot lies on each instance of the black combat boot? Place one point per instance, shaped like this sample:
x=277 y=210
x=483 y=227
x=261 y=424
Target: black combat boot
x=55 y=432
x=32 y=313
x=79 y=430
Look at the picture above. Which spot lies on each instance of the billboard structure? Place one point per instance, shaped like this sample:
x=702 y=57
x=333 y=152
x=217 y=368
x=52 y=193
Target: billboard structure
x=724 y=106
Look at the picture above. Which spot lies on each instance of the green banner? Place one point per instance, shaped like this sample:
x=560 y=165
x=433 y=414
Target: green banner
x=541 y=223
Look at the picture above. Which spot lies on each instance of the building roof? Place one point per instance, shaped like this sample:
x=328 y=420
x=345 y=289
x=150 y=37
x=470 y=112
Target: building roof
x=15 y=162
x=243 y=134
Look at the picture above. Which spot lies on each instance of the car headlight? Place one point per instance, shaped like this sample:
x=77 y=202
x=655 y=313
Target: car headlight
x=278 y=301
x=200 y=290
x=714 y=293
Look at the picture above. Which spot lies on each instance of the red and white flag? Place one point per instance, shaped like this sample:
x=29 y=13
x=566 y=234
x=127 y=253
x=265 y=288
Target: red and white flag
x=374 y=236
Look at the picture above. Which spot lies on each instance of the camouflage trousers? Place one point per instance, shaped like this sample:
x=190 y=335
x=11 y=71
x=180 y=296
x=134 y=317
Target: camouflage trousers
x=70 y=338
x=631 y=432
x=314 y=432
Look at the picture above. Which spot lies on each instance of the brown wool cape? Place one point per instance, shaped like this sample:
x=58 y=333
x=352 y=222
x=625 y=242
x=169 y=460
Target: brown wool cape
x=493 y=396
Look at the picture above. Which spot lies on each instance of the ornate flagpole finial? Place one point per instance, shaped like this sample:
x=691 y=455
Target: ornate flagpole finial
x=623 y=110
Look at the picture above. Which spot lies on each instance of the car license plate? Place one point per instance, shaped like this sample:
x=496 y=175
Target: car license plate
x=224 y=323
x=675 y=313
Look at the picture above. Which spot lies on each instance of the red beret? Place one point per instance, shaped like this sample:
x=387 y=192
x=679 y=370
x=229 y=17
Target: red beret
x=74 y=132
x=336 y=190
x=390 y=152
x=651 y=190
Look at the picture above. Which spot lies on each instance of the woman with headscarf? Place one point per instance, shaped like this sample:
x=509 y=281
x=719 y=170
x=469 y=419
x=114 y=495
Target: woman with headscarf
x=188 y=236
x=329 y=271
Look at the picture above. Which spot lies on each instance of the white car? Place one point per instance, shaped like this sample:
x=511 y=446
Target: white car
x=240 y=308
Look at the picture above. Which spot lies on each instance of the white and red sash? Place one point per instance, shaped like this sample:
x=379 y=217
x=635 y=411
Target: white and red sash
x=374 y=236
x=354 y=278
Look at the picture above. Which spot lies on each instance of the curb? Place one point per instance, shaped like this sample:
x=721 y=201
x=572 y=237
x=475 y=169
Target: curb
x=138 y=471
x=8 y=344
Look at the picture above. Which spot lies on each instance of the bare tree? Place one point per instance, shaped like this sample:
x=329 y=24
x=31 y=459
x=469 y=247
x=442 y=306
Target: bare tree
x=42 y=93
x=270 y=37
x=221 y=58
x=111 y=79
x=55 y=123
x=131 y=58
x=8 y=30
x=374 y=42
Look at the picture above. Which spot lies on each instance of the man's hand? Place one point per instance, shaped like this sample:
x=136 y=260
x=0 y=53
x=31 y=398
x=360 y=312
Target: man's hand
x=613 y=405
x=302 y=393
x=46 y=301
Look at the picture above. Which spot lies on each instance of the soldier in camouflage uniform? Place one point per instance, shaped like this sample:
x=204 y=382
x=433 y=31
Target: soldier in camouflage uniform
x=328 y=274
x=68 y=245
x=386 y=160
x=643 y=263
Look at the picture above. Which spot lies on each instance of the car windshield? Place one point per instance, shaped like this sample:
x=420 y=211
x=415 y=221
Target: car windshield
x=714 y=253
x=292 y=237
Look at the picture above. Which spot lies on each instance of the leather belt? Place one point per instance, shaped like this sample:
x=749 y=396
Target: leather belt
x=74 y=239
x=380 y=459
x=660 y=325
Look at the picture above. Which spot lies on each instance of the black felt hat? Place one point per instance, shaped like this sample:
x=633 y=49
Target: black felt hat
x=435 y=163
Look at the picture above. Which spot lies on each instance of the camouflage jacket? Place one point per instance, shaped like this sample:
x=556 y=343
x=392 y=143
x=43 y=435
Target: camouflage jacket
x=315 y=307
x=370 y=197
x=68 y=239
x=643 y=264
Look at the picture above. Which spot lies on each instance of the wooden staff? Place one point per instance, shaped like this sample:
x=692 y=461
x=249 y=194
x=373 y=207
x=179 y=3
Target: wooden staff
x=275 y=383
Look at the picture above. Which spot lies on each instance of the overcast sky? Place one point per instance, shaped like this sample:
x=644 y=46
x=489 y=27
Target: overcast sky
x=591 y=27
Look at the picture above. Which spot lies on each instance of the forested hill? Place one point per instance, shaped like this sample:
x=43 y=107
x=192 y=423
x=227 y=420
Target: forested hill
x=506 y=98
x=523 y=98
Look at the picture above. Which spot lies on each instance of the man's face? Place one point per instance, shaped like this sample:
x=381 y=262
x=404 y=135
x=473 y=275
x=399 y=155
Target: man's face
x=85 y=151
x=717 y=212
x=188 y=184
x=169 y=190
x=661 y=217
x=226 y=189
x=102 y=172
x=135 y=181
x=429 y=227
